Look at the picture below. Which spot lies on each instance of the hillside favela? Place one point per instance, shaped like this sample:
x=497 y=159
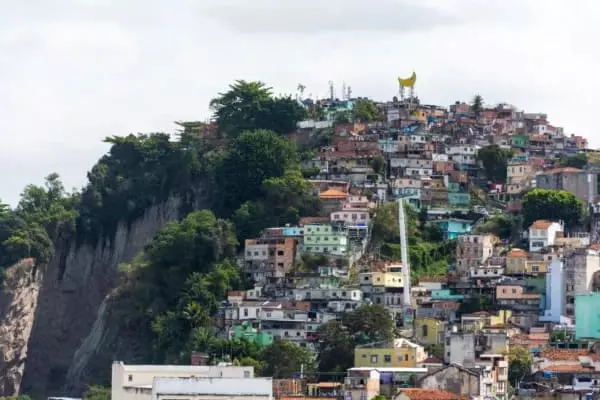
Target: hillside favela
x=299 y=248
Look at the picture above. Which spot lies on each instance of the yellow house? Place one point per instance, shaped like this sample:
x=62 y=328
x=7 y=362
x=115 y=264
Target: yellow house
x=500 y=319
x=390 y=277
x=536 y=267
x=483 y=319
x=429 y=330
x=516 y=262
x=397 y=353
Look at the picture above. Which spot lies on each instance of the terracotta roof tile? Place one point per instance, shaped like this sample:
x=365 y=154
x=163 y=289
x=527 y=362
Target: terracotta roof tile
x=567 y=170
x=566 y=368
x=568 y=354
x=333 y=194
x=428 y=394
x=541 y=224
x=517 y=253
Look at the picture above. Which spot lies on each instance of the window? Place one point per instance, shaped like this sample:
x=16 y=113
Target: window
x=424 y=331
x=406 y=357
x=374 y=359
x=280 y=252
x=245 y=312
x=387 y=358
x=130 y=378
x=246 y=374
x=514 y=291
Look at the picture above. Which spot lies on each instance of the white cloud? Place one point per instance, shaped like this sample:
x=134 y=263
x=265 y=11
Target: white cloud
x=75 y=71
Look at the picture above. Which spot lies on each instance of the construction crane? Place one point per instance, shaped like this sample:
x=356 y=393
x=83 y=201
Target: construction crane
x=406 y=300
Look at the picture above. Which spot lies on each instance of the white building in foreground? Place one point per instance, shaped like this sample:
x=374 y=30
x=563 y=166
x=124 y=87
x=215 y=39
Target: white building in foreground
x=187 y=382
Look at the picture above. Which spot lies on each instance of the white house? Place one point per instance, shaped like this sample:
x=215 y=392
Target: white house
x=211 y=388
x=352 y=216
x=135 y=382
x=543 y=233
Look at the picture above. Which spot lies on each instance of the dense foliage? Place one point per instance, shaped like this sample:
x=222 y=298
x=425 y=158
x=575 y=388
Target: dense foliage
x=365 y=110
x=575 y=161
x=97 y=393
x=366 y=324
x=501 y=225
x=428 y=254
x=43 y=216
x=137 y=172
x=248 y=106
x=553 y=205
x=494 y=160
x=520 y=362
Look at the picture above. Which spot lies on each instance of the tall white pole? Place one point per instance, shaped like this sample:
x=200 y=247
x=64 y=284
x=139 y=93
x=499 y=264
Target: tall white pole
x=404 y=254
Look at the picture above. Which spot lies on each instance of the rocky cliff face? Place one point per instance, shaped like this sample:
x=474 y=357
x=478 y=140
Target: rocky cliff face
x=18 y=301
x=67 y=318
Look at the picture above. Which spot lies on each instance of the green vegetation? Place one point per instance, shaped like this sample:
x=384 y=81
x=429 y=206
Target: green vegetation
x=520 y=362
x=477 y=105
x=249 y=106
x=366 y=110
x=97 y=393
x=366 y=324
x=501 y=225
x=42 y=218
x=575 y=161
x=428 y=254
x=494 y=160
x=553 y=205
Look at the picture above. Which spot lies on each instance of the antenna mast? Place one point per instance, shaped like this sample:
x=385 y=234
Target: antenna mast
x=331 y=91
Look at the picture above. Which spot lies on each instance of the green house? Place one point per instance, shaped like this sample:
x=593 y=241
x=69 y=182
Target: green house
x=250 y=334
x=519 y=140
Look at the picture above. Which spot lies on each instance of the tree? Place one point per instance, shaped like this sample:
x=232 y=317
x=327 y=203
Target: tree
x=283 y=359
x=253 y=157
x=248 y=106
x=366 y=110
x=97 y=393
x=500 y=225
x=335 y=347
x=477 y=105
x=495 y=161
x=553 y=205
x=519 y=364
x=578 y=161
x=337 y=339
x=369 y=323
x=341 y=118
x=378 y=164
x=435 y=350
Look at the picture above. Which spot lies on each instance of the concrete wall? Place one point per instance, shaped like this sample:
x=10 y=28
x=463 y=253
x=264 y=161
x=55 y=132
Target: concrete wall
x=134 y=382
x=211 y=388
x=452 y=379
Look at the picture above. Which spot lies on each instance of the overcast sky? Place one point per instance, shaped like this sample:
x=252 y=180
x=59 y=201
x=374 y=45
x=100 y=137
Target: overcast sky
x=75 y=71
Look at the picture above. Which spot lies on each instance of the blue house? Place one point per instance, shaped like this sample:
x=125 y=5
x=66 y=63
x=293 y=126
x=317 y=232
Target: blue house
x=454 y=227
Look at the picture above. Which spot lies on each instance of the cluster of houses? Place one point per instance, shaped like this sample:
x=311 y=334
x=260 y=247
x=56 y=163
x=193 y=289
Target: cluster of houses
x=540 y=294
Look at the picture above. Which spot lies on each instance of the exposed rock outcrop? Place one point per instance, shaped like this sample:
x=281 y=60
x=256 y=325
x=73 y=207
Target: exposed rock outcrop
x=18 y=301
x=69 y=320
